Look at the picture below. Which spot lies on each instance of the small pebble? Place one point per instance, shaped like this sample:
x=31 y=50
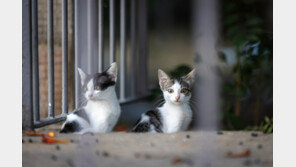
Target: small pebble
x=147 y=156
x=152 y=144
x=72 y=141
x=259 y=146
x=53 y=157
x=70 y=162
x=240 y=143
x=229 y=153
x=219 y=132
x=247 y=162
x=254 y=134
x=187 y=136
x=97 y=140
x=97 y=152
x=257 y=161
x=30 y=140
x=105 y=154
x=176 y=160
x=58 y=147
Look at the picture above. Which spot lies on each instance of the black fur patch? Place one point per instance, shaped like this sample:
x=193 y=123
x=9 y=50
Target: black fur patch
x=71 y=127
x=142 y=127
x=103 y=80
x=154 y=119
x=81 y=113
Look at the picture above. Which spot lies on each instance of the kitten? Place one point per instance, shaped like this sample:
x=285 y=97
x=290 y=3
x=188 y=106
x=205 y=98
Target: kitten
x=102 y=110
x=175 y=115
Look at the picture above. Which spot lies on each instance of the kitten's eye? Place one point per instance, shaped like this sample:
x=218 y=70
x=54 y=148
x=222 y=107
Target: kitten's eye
x=170 y=90
x=97 y=87
x=185 y=91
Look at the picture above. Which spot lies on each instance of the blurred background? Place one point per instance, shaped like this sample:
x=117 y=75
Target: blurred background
x=244 y=50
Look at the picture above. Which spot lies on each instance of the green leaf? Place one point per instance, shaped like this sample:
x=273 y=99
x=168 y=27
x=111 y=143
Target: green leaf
x=266 y=119
x=231 y=19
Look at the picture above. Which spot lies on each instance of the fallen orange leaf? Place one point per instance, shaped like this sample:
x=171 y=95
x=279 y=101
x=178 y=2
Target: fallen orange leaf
x=245 y=153
x=120 y=127
x=50 y=134
x=34 y=134
x=176 y=160
x=47 y=140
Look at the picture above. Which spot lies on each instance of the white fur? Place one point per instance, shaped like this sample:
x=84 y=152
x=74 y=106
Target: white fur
x=176 y=115
x=104 y=113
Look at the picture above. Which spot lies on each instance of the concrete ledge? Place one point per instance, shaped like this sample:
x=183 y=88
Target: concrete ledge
x=130 y=149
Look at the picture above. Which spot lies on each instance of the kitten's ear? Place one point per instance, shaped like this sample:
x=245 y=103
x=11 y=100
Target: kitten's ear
x=189 y=78
x=112 y=71
x=83 y=76
x=163 y=78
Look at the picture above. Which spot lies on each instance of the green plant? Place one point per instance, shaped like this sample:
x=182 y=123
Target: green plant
x=245 y=27
x=266 y=126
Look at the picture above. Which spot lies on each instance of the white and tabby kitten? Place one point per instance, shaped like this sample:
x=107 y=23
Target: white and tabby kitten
x=175 y=115
x=102 y=110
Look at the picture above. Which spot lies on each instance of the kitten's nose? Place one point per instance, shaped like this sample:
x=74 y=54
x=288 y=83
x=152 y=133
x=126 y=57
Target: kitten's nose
x=90 y=95
x=177 y=98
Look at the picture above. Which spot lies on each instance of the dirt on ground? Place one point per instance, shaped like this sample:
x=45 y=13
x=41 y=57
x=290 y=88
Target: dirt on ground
x=192 y=148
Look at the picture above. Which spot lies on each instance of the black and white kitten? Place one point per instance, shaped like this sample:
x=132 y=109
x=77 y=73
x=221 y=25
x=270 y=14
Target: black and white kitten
x=102 y=110
x=175 y=115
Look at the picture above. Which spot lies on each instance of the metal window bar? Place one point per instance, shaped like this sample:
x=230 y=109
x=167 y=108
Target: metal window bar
x=30 y=61
x=122 y=49
x=101 y=31
x=133 y=47
x=50 y=58
x=112 y=31
x=76 y=80
x=27 y=103
x=35 y=61
x=65 y=57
